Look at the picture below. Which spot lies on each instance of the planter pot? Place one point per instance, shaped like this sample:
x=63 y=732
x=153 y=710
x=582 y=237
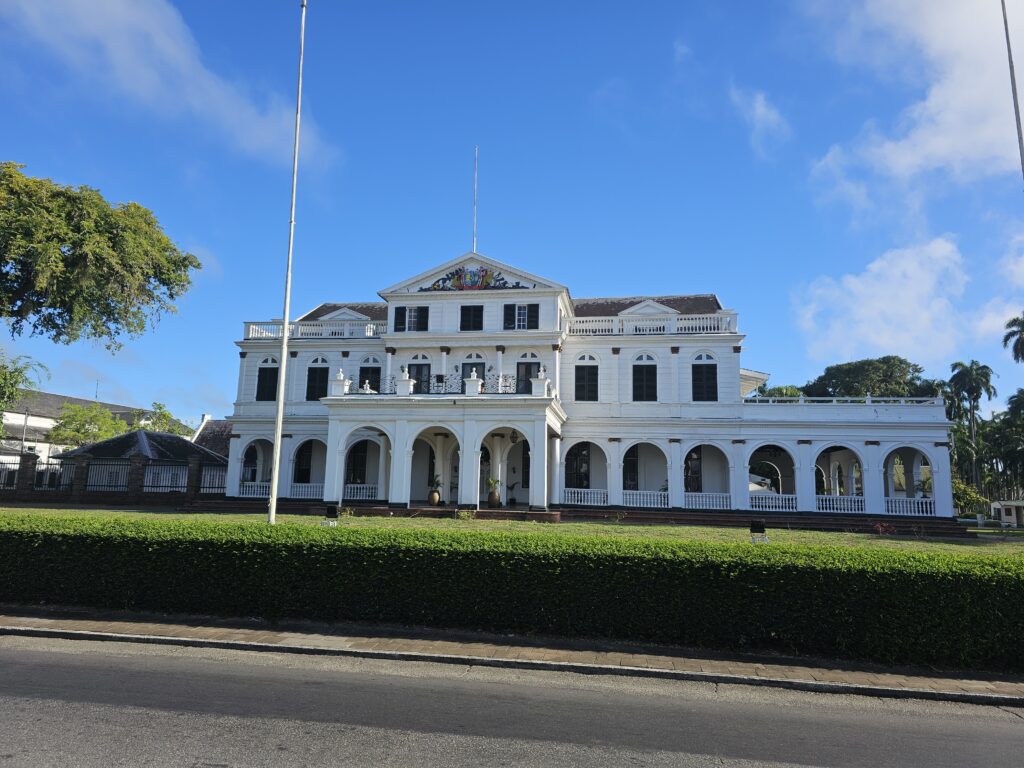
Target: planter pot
x=434 y=498
x=494 y=499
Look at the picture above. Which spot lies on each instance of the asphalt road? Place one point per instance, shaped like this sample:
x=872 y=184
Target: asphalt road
x=78 y=703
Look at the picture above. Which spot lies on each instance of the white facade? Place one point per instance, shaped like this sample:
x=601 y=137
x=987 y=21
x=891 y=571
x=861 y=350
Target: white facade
x=636 y=402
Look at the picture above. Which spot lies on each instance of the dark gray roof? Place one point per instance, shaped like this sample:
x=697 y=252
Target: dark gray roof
x=215 y=435
x=699 y=304
x=160 y=446
x=375 y=310
x=48 y=405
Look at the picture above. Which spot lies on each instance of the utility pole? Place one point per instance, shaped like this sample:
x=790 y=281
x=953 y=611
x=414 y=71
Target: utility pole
x=1013 y=87
x=285 y=325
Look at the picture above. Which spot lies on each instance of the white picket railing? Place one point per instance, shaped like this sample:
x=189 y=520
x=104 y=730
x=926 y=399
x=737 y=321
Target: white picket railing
x=254 y=490
x=653 y=325
x=896 y=505
x=645 y=499
x=307 y=491
x=840 y=503
x=707 y=501
x=773 y=502
x=589 y=497
x=362 y=492
x=318 y=329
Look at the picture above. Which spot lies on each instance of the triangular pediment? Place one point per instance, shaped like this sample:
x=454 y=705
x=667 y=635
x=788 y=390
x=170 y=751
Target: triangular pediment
x=472 y=272
x=345 y=313
x=648 y=307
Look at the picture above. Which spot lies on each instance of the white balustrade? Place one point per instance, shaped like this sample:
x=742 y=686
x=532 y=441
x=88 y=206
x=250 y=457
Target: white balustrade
x=897 y=505
x=590 y=497
x=657 y=325
x=360 y=492
x=645 y=499
x=318 y=329
x=254 y=490
x=773 y=502
x=840 y=503
x=307 y=491
x=707 y=501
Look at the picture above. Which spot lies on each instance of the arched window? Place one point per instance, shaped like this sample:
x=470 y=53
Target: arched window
x=369 y=372
x=474 y=364
x=705 y=378
x=303 y=463
x=528 y=356
x=266 y=379
x=645 y=378
x=316 y=378
x=586 y=378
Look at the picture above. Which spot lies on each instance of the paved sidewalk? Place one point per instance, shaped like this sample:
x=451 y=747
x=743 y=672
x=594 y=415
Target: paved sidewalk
x=455 y=647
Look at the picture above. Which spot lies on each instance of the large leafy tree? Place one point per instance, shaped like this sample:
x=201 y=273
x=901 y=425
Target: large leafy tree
x=84 y=424
x=1014 y=337
x=17 y=374
x=970 y=382
x=889 y=376
x=74 y=266
x=159 y=419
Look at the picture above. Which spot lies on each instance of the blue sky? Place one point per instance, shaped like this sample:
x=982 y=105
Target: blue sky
x=843 y=174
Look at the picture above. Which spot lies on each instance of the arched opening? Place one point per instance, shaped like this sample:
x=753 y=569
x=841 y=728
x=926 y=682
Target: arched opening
x=586 y=475
x=308 y=469
x=772 y=478
x=434 y=466
x=838 y=484
x=645 y=477
x=257 y=467
x=908 y=484
x=706 y=478
x=505 y=466
x=365 y=474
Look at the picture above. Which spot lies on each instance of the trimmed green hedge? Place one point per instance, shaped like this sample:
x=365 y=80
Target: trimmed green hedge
x=888 y=606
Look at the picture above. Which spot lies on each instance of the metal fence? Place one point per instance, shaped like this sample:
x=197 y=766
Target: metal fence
x=9 y=471
x=109 y=475
x=54 y=475
x=213 y=478
x=165 y=477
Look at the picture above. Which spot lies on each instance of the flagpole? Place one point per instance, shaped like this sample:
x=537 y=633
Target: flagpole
x=285 y=325
x=1013 y=87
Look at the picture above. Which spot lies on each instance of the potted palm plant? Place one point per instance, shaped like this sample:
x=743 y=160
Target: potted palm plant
x=511 y=487
x=493 y=497
x=434 y=497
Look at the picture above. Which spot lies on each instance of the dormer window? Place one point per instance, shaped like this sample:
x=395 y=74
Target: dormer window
x=266 y=379
x=521 y=317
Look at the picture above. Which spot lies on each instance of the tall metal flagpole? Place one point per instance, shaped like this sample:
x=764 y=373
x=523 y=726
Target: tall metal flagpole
x=283 y=362
x=476 y=165
x=1013 y=87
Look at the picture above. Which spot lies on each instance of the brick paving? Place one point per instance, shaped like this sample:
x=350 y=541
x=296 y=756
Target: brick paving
x=364 y=640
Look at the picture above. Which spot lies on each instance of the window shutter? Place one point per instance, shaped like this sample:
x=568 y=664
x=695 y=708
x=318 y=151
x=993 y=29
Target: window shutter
x=510 y=317
x=533 y=316
x=423 y=319
x=463 y=318
x=399 y=319
x=266 y=384
x=705 y=383
x=645 y=383
x=586 y=383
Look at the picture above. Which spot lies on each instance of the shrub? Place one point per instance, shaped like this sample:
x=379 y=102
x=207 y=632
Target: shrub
x=886 y=606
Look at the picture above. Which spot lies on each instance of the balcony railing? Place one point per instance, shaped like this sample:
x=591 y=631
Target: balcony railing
x=653 y=325
x=840 y=503
x=645 y=499
x=587 y=497
x=707 y=501
x=868 y=400
x=773 y=502
x=307 y=491
x=254 y=490
x=896 y=505
x=318 y=329
x=360 y=492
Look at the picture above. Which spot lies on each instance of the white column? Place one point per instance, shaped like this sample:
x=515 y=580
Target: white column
x=613 y=396
x=439 y=445
x=239 y=395
x=613 y=451
x=675 y=473
x=332 y=470
x=497 y=449
x=500 y=364
x=234 y=471
x=387 y=371
x=469 y=479
x=556 y=471
x=673 y=385
x=400 y=465
x=444 y=363
x=539 y=465
x=803 y=475
x=942 y=485
x=383 y=462
x=558 y=372
x=284 y=480
x=871 y=477
x=739 y=478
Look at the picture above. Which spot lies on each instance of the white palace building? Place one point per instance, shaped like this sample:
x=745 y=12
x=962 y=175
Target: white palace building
x=477 y=376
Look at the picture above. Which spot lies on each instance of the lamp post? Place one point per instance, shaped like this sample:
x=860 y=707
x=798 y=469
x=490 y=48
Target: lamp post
x=283 y=362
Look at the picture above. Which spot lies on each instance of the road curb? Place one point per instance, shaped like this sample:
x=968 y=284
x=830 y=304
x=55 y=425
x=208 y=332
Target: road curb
x=813 y=686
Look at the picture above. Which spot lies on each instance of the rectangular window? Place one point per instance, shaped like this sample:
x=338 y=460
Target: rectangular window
x=316 y=382
x=266 y=383
x=412 y=319
x=355 y=464
x=521 y=317
x=577 y=466
x=525 y=372
x=705 y=383
x=420 y=373
x=370 y=373
x=645 y=383
x=586 y=383
x=472 y=318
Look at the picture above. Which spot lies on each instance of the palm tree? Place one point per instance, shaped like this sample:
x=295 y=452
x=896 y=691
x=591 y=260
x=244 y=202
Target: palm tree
x=1014 y=337
x=971 y=381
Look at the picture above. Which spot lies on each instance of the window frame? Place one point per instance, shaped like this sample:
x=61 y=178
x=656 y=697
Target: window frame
x=464 y=315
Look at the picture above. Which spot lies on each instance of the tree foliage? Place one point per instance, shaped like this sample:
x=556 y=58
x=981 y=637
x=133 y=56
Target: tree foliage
x=83 y=424
x=74 y=266
x=1013 y=339
x=783 y=390
x=159 y=419
x=889 y=376
x=16 y=375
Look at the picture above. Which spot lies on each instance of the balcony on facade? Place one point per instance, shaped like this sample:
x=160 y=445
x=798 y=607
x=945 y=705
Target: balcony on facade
x=316 y=329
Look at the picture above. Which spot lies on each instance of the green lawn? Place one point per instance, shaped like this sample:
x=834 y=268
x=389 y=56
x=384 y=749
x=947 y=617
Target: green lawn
x=990 y=541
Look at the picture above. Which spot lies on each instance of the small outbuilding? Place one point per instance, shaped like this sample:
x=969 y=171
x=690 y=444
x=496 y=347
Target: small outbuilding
x=1008 y=513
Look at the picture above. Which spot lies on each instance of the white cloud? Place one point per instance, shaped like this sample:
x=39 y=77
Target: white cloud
x=1012 y=264
x=767 y=125
x=989 y=321
x=832 y=173
x=962 y=124
x=904 y=302
x=143 y=50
